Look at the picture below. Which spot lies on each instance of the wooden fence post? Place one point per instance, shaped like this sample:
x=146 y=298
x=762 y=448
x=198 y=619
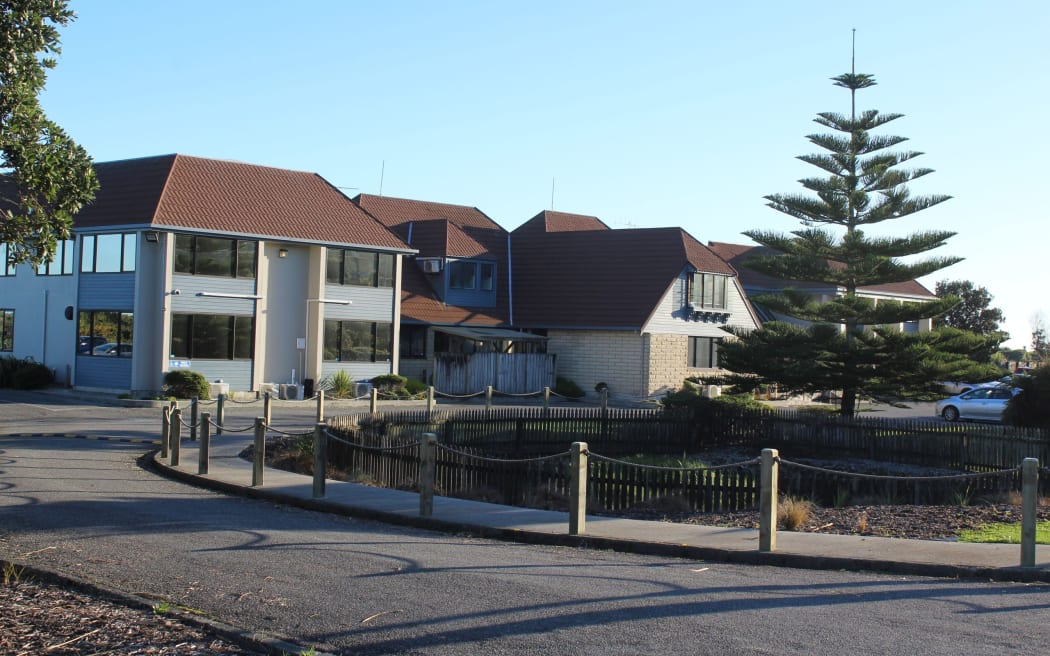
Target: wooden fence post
x=427 y=465
x=430 y=400
x=220 y=414
x=203 y=453
x=267 y=405
x=175 y=436
x=320 y=459
x=374 y=403
x=259 y=452
x=488 y=397
x=767 y=515
x=193 y=419
x=1029 y=505
x=320 y=406
x=546 y=399
x=165 y=429
x=578 y=488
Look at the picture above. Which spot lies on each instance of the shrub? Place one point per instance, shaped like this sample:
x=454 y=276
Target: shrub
x=792 y=514
x=389 y=383
x=1030 y=406
x=31 y=375
x=415 y=386
x=339 y=384
x=568 y=388
x=186 y=384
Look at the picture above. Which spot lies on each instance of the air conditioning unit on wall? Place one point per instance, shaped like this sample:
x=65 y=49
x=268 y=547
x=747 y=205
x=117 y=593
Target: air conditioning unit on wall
x=430 y=264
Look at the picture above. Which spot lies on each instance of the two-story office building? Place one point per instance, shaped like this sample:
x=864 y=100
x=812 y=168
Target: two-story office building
x=247 y=274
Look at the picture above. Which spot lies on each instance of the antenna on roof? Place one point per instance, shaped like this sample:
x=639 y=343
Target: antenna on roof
x=552 y=193
x=382 y=172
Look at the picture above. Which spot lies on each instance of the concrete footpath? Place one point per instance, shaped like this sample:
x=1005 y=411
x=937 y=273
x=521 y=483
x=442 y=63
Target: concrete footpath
x=231 y=474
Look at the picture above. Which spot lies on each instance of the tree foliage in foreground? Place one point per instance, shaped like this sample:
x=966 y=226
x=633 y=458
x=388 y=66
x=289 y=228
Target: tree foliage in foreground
x=1031 y=406
x=47 y=177
x=846 y=346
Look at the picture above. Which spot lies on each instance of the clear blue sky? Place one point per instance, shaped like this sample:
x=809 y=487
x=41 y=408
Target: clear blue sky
x=643 y=114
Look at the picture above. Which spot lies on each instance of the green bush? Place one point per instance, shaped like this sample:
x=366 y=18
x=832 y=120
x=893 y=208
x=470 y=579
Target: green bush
x=568 y=388
x=415 y=386
x=8 y=365
x=689 y=396
x=1031 y=405
x=340 y=384
x=31 y=375
x=185 y=384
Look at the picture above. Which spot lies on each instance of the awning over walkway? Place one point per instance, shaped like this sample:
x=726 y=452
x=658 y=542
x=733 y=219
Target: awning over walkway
x=483 y=334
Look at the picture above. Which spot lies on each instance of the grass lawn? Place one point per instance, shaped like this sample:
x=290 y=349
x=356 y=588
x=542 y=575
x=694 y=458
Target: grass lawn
x=1008 y=533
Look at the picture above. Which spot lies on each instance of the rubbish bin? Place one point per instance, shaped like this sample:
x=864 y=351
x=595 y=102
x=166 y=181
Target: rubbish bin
x=308 y=388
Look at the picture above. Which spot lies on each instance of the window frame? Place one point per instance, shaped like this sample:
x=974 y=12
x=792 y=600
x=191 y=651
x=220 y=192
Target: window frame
x=380 y=335
x=237 y=253
x=709 y=291
x=63 y=260
x=381 y=269
x=239 y=340
x=125 y=257
x=697 y=356
x=124 y=325
x=7 y=330
x=6 y=267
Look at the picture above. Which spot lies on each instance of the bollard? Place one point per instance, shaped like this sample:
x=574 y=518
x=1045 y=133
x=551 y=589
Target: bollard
x=488 y=397
x=220 y=413
x=578 y=488
x=320 y=406
x=546 y=399
x=767 y=512
x=259 y=452
x=605 y=400
x=320 y=460
x=175 y=436
x=267 y=400
x=193 y=419
x=165 y=428
x=1029 y=506
x=203 y=453
x=374 y=403
x=430 y=400
x=427 y=449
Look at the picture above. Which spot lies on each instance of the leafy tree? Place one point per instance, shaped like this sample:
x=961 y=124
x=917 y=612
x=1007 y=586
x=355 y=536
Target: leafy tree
x=1040 y=345
x=862 y=187
x=1031 y=406
x=46 y=177
x=972 y=313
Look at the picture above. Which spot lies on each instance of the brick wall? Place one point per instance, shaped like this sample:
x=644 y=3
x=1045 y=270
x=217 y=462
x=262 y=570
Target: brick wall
x=668 y=358
x=589 y=357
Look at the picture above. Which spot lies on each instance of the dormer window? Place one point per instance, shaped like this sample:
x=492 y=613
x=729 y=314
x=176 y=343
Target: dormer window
x=708 y=291
x=471 y=274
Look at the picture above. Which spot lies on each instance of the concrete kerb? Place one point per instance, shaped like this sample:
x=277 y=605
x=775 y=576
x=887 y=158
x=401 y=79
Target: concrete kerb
x=626 y=545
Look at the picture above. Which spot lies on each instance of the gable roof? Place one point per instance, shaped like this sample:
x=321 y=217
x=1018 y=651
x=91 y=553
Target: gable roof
x=232 y=198
x=600 y=278
x=753 y=281
x=443 y=230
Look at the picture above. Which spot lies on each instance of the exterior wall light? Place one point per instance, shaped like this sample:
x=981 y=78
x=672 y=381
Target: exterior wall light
x=282 y=252
x=152 y=236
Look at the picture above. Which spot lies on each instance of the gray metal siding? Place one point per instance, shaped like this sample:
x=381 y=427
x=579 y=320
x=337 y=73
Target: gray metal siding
x=236 y=373
x=104 y=372
x=187 y=301
x=106 y=291
x=366 y=303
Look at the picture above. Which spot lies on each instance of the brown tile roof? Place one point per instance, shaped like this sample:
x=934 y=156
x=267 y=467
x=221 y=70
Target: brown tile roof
x=753 y=281
x=551 y=221
x=177 y=191
x=600 y=278
x=443 y=230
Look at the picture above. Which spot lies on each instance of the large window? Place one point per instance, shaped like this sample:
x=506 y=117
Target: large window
x=361 y=268
x=215 y=256
x=357 y=341
x=212 y=336
x=7 y=330
x=469 y=274
x=413 y=341
x=62 y=264
x=105 y=333
x=703 y=352
x=6 y=268
x=108 y=253
x=709 y=290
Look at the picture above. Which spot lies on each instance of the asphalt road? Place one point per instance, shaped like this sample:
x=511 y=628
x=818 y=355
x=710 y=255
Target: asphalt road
x=349 y=586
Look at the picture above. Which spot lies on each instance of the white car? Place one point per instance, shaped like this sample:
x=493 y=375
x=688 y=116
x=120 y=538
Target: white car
x=982 y=403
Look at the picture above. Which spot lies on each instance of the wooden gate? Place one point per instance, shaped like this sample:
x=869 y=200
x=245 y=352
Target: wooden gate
x=510 y=373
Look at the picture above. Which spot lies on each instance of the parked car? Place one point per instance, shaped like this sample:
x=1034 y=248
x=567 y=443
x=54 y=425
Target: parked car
x=110 y=348
x=982 y=403
x=86 y=344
